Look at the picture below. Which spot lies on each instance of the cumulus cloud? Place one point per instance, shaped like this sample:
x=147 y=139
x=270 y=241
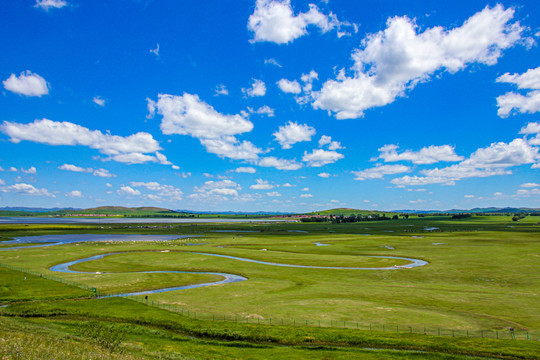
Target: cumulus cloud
x=291 y=133
x=246 y=169
x=531 y=128
x=324 y=175
x=427 y=155
x=258 y=88
x=321 y=157
x=75 y=194
x=98 y=100
x=163 y=192
x=216 y=190
x=489 y=161
x=379 y=171
x=188 y=115
x=104 y=173
x=261 y=184
x=332 y=145
x=306 y=196
x=288 y=86
x=130 y=149
x=26 y=189
x=27 y=84
x=128 y=191
x=50 y=4
x=512 y=102
x=396 y=59
x=275 y=21
x=263 y=110
x=31 y=170
x=530 y=185
x=273 y=194
x=280 y=164
x=221 y=90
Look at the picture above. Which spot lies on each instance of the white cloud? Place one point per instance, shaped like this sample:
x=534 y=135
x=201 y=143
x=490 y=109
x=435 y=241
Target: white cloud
x=272 y=61
x=129 y=149
x=27 y=189
x=273 y=194
x=104 y=173
x=324 y=175
x=258 y=88
x=27 y=84
x=528 y=80
x=531 y=128
x=246 y=169
x=261 y=185
x=288 y=185
x=164 y=192
x=468 y=196
x=75 y=194
x=287 y=86
x=274 y=21
x=128 y=191
x=529 y=103
x=498 y=194
x=379 y=171
x=305 y=189
x=280 y=164
x=49 y=4
x=263 y=110
x=512 y=102
x=530 y=185
x=396 y=59
x=427 y=155
x=188 y=115
x=155 y=51
x=320 y=157
x=489 y=161
x=221 y=90
x=99 y=100
x=216 y=190
x=332 y=145
x=291 y=133
x=2 y=182
x=306 y=196
x=31 y=170
x=98 y=172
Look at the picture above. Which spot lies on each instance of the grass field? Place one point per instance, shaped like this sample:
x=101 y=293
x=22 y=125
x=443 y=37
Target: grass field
x=482 y=274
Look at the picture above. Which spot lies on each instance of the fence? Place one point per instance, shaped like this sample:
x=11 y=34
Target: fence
x=412 y=329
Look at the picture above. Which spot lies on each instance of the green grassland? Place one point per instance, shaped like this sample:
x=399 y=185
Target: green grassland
x=483 y=273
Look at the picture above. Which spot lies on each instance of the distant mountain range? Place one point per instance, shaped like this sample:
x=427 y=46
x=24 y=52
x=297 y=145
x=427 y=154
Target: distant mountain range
x=155 y=211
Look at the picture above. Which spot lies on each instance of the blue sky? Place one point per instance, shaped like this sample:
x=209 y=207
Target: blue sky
x=270 y=105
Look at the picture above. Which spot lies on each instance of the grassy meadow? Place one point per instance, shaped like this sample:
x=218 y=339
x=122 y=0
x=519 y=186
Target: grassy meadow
x=482 y=274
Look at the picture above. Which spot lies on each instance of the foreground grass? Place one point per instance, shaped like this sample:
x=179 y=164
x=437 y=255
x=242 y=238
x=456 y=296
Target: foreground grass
x=155 y=333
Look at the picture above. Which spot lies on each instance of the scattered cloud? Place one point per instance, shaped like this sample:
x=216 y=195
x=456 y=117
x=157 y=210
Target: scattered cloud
x=274 y=21
x=280 y=164
x=130 y=149
x=99 y=101
x=427 y=155
x=128 y=191
x=155 y=51
x=272 y=61
x=273 y=194
x=75 y=194
x=263 y=110
x=395 y=60
x=320 y=157
x=324 y=175
x=332 y=145
x=258 y=88
x=50 y=4
x=530 y=185
x=188 y=115
x=26 y=189
x=246 y=169
x=163 y=192
x=261 y=184
x=306 y=196
x=512 y=102
x=216 y=191
x=27 y=84
x=287 y=86
x=221 y=90
x=291 y=133
x=379 y=171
